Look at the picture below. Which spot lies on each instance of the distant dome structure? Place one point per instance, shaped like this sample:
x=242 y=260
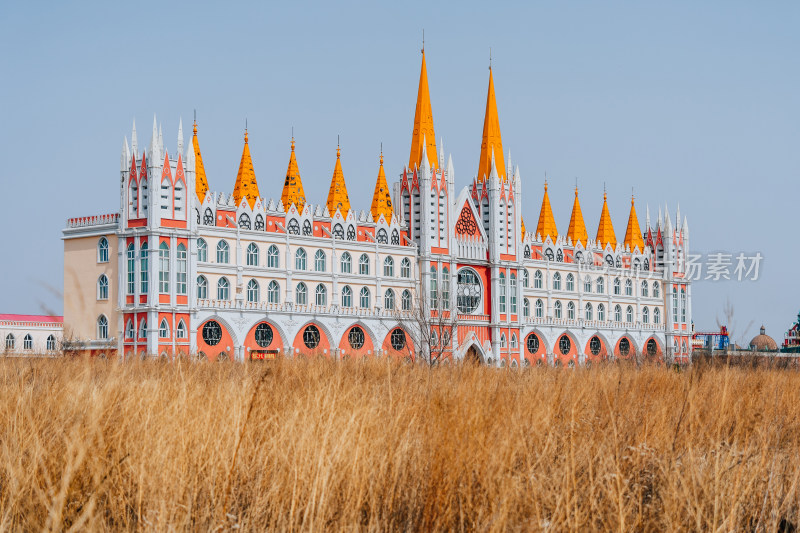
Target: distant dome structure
x=763 y=342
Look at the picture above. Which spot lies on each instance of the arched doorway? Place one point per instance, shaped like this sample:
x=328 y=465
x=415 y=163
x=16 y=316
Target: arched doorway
x=473 y=355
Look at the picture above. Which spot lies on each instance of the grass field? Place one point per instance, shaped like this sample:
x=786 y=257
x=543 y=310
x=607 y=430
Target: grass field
x=96 y=445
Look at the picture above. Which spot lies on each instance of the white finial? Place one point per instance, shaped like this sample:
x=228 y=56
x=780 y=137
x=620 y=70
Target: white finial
x=134 y=140
x=123 y=160
x=180 y=135
x=425 y=163
x=160 y=140
x=441 y=152
x=647 y=217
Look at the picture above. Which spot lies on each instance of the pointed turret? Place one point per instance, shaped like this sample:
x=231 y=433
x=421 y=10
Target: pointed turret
x=577 y=228
x=180 y=136
x=293 y=192
x=492 y=142
x=547 y=224
x=605 y=230
x=633 y=234
x=200 y=182
x=134 y=140
x=246 y=184
x=337 y=195
x=522 y=226
x=381 y=199
x=423 y=123
x=125 y=156
x=647 y=217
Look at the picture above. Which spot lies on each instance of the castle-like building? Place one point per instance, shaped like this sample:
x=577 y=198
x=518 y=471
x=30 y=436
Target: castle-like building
x=183 y=270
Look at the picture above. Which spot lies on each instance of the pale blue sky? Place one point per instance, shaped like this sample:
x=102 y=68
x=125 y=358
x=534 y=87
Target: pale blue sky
x=688 y=103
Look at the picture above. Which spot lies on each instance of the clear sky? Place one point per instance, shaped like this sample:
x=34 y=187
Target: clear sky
x=686 y=103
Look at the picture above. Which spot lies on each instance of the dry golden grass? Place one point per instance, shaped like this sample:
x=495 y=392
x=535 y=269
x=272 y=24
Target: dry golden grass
x=98 y=445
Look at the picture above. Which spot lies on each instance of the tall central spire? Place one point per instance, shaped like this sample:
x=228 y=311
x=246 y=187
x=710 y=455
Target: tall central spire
x=605 y=230
x=293 y=192
x=337 y=195
x=492 y=143
x=633 y=235
x=547 y=224
x=246 y=184
x=577 y=228
x=423 y=123
x=381 y=199
x=200 y=181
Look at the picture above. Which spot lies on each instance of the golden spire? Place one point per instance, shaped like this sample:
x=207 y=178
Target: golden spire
x=200 y=182
x=605 y=230
x=547 y=224
x=577 y=229
x=246 y=184
x=293 y=186
x=381 y=200
x=337 y=195
x=522 y=226
x=492 y=143
x=423 y=123
x=633 y=235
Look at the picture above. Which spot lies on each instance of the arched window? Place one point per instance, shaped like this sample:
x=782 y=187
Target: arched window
x=388 y=267
x=351 y=233
x=601 y=313
x=244 y=221
x=628 y=287
x=644 y=288
x=363 y=265
x=321 y=295
x=645 y=315
x=27 y=342
x=656 y=291
x=208 y=217
x=202 y=287
x=527 y=253
x=10 y=342
x=346 y=263
x=683 y=305
x=618 y=313
x=253 y=291
x=674 y=304
x=629 y=314
x=395 y=238
x=102 y=287
x=564 y=345
x=619 y=262
x=560 y=255
x=587 y=284
x=301 y=294
x=595 y=345
x=537 y=279
x=406 y=300
x=502 y=340
x=144 y=270
x=293 y=227
x=434 y=288
x=182 y=264
x=273 y=292
x=570 y=282
x=307 y=228
x=223 y=289
x=259 y=225
x=587 y=311
x=202 y=250
x=578 y=256
x=382 y=237
x=601 y=285
x=51 y=343
x=624 y=346
x=609 y=260
x=102 y=250
x=557 y=281
x=129 y=329
x=347 y=296
x=525 y=279
x=252 y=254
x=163 y=329
x=571 y=311
x=526 y=308
x=617 y=286
x=445 y=288
x=131 y=269
x=405 y=268
x=273 y=257
x=548 y=254
x=502 y=287
x=557 y=309
x=163 y=268
x=514 y=341
x=300 y=259
x=539 y=308
x=222 y=252
x=656 y=316
x=338 y=231
x=364 y=298
x=388 y=299
x=180 y=331
x=143 y=329
x=319 y=261
x=102 y=327
x=512 y=288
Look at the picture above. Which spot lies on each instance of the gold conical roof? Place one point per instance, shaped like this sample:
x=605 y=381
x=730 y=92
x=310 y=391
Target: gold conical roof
x=577 y=229
x=293 y=186
x=200 y=182
x=522 y=225
x=337 y=195
x=605 y=230
x=381 y=199
x=423 y=124
x=246 y=184
x=492 y=143
x=547 y=224
x=633 y=235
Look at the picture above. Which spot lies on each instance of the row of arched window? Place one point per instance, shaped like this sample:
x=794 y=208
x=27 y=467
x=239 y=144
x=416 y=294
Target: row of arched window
x=27 y=342
x=589 y=312
x=163 y=330
x=181 y=263
x=610 y=260
x=597 y=286
x=301 y=259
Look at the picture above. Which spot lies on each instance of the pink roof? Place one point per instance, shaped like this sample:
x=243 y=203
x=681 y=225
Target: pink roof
x=32 y=318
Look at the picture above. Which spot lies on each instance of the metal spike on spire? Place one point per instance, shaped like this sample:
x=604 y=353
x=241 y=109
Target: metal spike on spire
x=180 y=135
